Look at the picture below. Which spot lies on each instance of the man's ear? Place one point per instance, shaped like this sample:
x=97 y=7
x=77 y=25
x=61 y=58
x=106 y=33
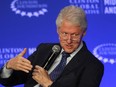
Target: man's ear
x=57 y=30
x=84 y=33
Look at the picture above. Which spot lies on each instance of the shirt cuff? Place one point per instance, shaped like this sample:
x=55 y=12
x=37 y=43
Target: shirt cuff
x=6 y=73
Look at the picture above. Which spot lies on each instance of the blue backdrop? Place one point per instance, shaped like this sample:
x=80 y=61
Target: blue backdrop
x=26 y=23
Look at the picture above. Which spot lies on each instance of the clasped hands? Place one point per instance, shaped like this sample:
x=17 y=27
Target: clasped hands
x=40 y=75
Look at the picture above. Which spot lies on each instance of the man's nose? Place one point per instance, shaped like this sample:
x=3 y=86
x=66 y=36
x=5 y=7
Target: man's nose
x=69 y=38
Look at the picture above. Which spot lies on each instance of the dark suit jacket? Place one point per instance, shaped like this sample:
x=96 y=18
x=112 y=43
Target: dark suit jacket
x=84 y=70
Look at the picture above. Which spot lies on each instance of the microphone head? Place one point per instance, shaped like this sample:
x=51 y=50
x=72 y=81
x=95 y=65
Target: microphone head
x=56 y=48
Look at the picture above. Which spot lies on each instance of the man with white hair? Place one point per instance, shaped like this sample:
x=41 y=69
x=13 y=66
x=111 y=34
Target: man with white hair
x=72 y=66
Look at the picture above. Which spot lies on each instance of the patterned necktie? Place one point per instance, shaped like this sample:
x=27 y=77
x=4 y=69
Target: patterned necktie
x=60 y=67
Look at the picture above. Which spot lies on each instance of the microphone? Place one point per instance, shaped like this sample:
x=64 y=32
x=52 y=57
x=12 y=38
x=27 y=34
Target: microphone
x=55 y=49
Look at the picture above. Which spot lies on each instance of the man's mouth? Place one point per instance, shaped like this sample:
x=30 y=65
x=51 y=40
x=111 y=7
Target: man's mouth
x=69 y=46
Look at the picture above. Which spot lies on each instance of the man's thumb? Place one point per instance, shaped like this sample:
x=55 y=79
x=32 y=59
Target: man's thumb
x=23 y=52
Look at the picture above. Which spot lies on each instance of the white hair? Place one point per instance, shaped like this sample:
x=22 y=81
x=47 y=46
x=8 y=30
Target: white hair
x=74 y=15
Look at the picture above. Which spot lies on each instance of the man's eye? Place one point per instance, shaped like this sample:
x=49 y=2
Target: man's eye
x=64 y=33
x=75 y=35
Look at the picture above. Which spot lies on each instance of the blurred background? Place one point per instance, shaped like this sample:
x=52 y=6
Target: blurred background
x=27 y=23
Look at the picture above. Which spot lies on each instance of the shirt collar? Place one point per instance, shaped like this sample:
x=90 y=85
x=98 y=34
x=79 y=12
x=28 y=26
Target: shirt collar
x=76 y=51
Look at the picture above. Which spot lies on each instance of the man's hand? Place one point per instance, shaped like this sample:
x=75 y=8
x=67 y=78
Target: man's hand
x=41 y=76
x=19 y=63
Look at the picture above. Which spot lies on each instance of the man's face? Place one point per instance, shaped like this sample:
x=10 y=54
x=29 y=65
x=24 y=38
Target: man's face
x=70 y=36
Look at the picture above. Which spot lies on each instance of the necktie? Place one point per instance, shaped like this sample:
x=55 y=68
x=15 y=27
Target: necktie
x=60 y=67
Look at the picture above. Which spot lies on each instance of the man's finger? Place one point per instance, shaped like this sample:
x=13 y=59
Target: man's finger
x=26 y=67
x=22 y=69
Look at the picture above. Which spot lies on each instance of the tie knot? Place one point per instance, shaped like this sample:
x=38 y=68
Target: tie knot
x=64 y=54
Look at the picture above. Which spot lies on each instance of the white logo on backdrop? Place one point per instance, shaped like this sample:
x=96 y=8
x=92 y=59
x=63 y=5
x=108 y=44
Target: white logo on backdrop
x=96 y=6
x=29 y=8
x=106 y=52
x=8 y=53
